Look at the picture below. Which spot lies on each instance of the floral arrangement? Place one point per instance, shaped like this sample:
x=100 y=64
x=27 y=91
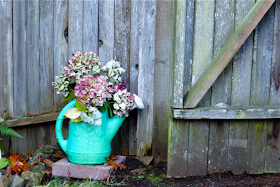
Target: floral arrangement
x=95 y=89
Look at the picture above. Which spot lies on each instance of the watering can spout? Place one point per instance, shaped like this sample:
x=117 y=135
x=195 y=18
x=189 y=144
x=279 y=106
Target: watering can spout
x=113 y=126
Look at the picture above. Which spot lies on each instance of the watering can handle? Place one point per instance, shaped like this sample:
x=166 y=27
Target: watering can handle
x=58 y=126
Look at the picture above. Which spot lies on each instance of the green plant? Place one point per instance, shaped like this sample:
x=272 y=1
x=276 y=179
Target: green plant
x=7 y=131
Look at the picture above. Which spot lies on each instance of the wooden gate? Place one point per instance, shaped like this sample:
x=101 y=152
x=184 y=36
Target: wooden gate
x=226 y=103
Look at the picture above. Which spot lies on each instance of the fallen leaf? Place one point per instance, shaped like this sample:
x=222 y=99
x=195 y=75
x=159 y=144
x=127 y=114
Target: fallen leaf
x=18 y=164
x=57 y=155
x=47 y=172
x=48 y=163
x=112 y=163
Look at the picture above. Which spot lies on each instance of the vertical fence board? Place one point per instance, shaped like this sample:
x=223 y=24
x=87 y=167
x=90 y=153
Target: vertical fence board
x=273 y=140
x=33 y=63
x=75 y=27
x=272 y=163
x=179 y=53
x=2 y=49
x=134 y=70
x=198 y=148
x=238 y=143
x=261 y=67
x=6 y=67
x=19 y=145
x=178 y=144
x=189 y=46
x=260 y=92
x=34 y=135
x=106 y=30
x=19 y=58
x=203 y=34
x=240 y=96
x=7 y=57
x=90 y=26
x=60 y=45
x=257 y=142
x=46 y=56
x=275 y=79
x=53 y=139
x=146 y=75
x=121 y=54
x=221 y=89
x=20 y=72
x=163 y=55
x=218 y=146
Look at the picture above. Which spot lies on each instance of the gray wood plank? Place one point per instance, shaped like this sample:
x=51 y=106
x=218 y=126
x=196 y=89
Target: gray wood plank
x=31 y=120
x=240 y=95
x=121 y=54
x=106 y=30
x=257 y=142
x=19 y=145
x=261 y=67
x=189 y=45
x=33 y=140
x=2 y=49
x=75 y=27
x=177 y=159
x=60 y=46
x=90 y=26
x=46 y=56
x=275 y=81
x=7 y=58
x=33 y=61
x=179 y=53
x=134 y=70
x=163 y=55
x=19 y=58
x=260 y=91
x=273 y=147
x=218 y=146
x=199 y=130
x=227 y=113
x=53 y=140
x=147 y=38
x=198 y=148
x=238 y=143
x=203 y=33
x=221 y=89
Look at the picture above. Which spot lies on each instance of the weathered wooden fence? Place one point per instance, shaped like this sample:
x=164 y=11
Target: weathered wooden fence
x=234 y=127
x=37 y=39
x=167 y=48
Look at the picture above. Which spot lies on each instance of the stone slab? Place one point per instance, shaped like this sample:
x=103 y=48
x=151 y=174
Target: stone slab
x=64 y=168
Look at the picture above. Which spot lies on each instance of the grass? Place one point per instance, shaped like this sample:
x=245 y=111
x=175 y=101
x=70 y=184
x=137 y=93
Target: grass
x=66 y=182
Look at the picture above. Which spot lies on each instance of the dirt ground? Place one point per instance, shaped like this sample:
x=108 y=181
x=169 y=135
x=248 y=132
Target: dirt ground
x=136 y=174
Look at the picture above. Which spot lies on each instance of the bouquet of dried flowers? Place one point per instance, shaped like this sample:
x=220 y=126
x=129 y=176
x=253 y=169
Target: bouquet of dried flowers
x=95 y=89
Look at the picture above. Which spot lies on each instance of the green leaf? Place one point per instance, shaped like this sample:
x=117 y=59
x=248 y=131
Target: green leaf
x=110 y=110
x=102 y=108
x=96 y=74
x=5 y=131
x=4 y=162
x=80 y=106
x=70 y=96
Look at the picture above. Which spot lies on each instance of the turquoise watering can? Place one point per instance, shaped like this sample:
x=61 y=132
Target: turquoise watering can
x=87 y=144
